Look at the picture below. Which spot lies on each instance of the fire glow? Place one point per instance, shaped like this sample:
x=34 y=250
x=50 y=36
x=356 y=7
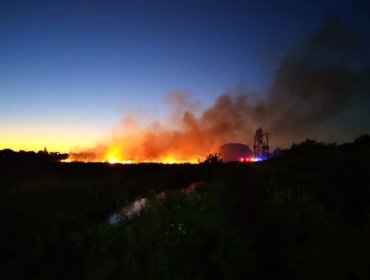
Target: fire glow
x=296 y=102
x=187 y=136
x=116 y=155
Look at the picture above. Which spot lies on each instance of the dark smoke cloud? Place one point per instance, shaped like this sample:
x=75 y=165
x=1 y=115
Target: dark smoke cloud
x=314 y=83
x=317 y=80
x=322 y=87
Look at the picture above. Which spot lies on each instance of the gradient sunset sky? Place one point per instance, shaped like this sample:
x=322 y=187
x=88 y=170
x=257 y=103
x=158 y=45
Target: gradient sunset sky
x=69 y=70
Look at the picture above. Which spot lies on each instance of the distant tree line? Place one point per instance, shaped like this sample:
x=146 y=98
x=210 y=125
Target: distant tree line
x=8 y=154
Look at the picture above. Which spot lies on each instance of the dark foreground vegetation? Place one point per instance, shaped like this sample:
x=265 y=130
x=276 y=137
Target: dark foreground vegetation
x=303 y=215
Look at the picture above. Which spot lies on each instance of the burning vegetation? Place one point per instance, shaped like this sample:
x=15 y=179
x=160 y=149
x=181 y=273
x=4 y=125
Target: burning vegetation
x=315 y=91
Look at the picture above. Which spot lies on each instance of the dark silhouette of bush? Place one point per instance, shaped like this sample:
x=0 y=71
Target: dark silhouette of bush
x=213 y=159
x=303 y=215
x=8 y=154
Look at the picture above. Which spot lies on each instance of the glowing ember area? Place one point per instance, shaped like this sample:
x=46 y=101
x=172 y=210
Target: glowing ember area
x=119 y=158
x=117 y=155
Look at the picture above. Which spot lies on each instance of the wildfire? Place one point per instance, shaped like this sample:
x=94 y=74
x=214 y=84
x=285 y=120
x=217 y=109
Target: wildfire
x=168 y=160
x=113 y=160
x=187 y=137
x=115 y=156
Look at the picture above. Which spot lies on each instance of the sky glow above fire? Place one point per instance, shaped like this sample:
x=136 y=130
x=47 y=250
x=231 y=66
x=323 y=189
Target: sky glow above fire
x=70 y=71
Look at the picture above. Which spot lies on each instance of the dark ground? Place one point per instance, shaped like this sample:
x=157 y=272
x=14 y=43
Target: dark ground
x=303 y=215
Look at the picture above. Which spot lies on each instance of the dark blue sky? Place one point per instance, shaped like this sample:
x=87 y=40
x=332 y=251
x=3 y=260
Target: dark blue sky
x=69 y=70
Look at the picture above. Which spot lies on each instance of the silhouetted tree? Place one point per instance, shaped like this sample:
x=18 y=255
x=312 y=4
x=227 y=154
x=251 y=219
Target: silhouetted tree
x=213 y=159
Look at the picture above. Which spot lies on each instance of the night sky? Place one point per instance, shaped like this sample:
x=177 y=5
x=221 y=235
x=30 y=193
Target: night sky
x=70 y=70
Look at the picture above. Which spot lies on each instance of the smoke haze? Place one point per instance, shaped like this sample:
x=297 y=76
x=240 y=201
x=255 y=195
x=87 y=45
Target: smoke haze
x=320 y=89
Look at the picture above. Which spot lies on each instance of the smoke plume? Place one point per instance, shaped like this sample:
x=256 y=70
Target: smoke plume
x=324 y=77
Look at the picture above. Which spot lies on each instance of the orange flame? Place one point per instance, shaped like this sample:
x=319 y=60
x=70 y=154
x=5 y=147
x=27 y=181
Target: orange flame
x=138 y=152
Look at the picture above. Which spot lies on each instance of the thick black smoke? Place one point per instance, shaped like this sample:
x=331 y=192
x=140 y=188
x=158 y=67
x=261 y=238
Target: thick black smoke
x=320 y=90
x=325 y=76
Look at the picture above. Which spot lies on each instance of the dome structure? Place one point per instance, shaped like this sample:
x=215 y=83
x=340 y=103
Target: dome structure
x=235 y=152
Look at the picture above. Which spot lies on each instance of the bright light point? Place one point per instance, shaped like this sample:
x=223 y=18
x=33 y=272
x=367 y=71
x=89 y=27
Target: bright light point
x=112 y=160
x=169 y=161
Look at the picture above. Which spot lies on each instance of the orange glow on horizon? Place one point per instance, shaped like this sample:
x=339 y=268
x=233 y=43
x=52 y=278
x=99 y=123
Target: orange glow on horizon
x=186 y=137
x=55 y=139
x=115 y=155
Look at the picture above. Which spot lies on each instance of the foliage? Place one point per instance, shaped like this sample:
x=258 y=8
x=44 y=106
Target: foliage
x=213 y=159
x=303 y=215
x=8 y=154
x=181 y=236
